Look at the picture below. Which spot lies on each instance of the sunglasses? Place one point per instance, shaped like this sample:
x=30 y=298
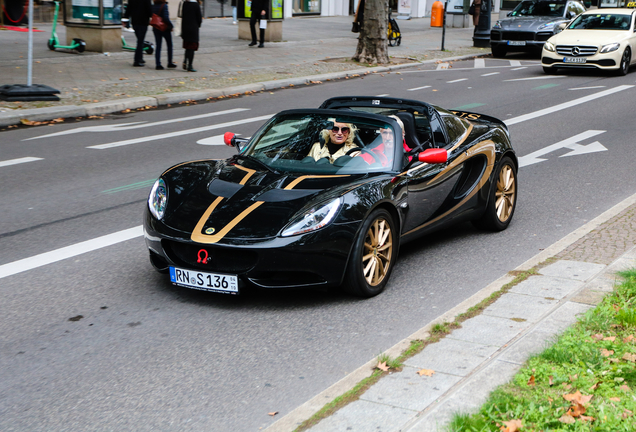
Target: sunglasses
x=344 y=129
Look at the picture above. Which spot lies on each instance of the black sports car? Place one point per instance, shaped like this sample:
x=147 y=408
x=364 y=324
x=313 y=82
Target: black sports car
x=325 y=197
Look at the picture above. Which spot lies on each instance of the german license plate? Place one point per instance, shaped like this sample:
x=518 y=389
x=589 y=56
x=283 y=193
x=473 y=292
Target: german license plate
x=573 y=59
x=517 y=43
x=221 y=283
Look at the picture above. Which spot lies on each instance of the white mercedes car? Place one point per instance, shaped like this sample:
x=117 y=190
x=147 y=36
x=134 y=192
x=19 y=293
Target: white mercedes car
x=596 y=39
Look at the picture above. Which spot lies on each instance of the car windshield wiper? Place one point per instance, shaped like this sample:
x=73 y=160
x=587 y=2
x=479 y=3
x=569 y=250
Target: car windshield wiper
x=256 y=161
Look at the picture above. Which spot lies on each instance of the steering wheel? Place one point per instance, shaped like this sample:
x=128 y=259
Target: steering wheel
x=365 y=150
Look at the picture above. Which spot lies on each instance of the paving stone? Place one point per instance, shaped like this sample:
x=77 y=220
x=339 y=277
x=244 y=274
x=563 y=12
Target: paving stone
x=489 y=330
x=546 y=286
x=576 y=270
x=520 y=307
x=408 y=390
x=589 y=297
x=364 y=416
x=452 y=356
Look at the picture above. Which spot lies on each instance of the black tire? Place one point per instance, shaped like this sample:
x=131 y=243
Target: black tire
x=502 y=199
x=549 y=70
x=498 y=51
x=367 y=275
x=149 y=48
x=626 y=59
x=51 y=44
x=81 y=45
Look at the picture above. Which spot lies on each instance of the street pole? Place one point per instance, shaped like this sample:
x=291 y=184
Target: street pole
x=481 y=35
x=444 y=24
x=30 y=52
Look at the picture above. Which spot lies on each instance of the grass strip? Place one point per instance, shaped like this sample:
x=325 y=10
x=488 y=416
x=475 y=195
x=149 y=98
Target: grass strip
x=585 y=381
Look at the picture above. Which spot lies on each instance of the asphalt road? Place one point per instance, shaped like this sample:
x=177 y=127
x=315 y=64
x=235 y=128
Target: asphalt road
x=100 y=341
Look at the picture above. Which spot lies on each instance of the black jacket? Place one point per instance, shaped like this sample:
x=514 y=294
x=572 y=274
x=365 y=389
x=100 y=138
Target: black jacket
x=257 y=7
x=190 y=21
x=139 y=11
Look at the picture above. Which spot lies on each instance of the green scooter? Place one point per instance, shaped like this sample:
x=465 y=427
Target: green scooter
x=148 y=48
x=54 y=43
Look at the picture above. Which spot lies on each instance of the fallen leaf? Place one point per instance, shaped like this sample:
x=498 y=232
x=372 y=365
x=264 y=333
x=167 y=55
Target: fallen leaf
x=511 y=426
x=573 y=377
x=624 y=387
x=628 y=339
x=273 y=413
x=550 y=382
x=382 y=366
x=629 y=357
x=568 y=419
x=610 y=338
x=595 y=386
x=586 y=418
x=627 y=413
x=427 y=372
x=578 y=398
x=576 y=410
x=606 y=353
x=531 y=381
x=597 y=336
x=615 y=399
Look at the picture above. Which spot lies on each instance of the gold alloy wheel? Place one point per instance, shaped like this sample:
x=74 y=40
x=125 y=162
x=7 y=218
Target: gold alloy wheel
x=506 y=193
x=378 y=250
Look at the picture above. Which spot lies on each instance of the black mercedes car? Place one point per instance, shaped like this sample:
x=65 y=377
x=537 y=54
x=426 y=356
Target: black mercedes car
x=278 y=214
x=530 y=24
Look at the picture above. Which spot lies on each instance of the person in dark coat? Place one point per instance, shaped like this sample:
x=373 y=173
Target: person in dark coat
x=190 y=23
x=259 y=11
x=160 y=7
x=139 y=12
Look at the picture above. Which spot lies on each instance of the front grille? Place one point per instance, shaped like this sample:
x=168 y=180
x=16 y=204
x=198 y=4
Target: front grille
x=544 y=36
x=220 y=259
x=517 y=36
x=495 y=35
x=582 y=50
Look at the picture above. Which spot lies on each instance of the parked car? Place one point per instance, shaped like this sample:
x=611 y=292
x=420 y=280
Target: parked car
x=597 y=39
x=530 y=24
x=277 y=215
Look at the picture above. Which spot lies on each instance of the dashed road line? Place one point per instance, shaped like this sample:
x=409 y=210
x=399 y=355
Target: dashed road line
x=457 y=80
x=491 y=73
x=19 y=161
x=419 y=88
x=519 y=68
x=587 y=88
x=537 y=78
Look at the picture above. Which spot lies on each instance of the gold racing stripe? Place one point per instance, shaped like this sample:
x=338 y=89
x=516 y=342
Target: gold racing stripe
x=488 y=148
x=199 y=237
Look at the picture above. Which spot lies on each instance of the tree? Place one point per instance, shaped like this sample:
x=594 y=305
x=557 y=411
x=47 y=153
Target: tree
x=372 y=41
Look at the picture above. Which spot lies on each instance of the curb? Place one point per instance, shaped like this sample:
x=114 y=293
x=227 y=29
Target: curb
x=290 y=421
x=9 y=118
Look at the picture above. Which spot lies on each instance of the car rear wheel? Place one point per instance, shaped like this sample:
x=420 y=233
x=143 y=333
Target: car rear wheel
x=502 y=200
x=626 y=59
x=373 y=256
x=498 y=52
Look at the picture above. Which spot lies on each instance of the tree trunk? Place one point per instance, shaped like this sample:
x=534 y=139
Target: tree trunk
x=372 y=42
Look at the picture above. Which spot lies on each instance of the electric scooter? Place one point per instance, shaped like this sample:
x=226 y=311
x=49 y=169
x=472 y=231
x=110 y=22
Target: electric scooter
x=149 y=48
x=54 y=43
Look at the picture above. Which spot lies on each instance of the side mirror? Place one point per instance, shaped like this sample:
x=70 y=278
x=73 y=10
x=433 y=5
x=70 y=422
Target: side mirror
x=560 y=27
x=433 y=156
x=509 y=14
x=228 y=138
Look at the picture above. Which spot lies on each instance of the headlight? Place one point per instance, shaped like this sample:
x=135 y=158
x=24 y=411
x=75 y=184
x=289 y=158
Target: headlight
x=158 y=199
x=497 y=25
x=548 y=26
x=314 y=219
x=549 y=46
x=610 y=47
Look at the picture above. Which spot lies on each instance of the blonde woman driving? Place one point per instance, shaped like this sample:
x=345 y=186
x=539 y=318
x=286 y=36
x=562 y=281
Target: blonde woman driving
x=337 y=142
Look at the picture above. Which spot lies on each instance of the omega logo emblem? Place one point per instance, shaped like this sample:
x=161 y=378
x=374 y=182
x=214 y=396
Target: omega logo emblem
x=576 y=51
x=210 y=231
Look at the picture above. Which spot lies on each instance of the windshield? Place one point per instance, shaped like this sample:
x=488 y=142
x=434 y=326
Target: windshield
x=539 y=8
x=601 y=22
x=324 y=144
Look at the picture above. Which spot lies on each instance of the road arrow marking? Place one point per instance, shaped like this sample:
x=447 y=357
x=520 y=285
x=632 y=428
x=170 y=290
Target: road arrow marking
x=571 y=143
x=136 y=125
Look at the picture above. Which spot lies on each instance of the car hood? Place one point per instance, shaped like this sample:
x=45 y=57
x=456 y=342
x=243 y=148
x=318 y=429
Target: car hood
x=215 y=201
x=527 y=23
x=587 y=37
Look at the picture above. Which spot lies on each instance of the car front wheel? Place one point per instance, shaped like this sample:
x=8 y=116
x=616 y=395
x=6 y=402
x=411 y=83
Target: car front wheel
x=498 y=51
x=626 y=59
x=373 y=256
x=502 y=200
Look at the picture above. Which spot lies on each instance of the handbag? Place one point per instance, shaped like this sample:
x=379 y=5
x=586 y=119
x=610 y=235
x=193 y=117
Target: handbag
x=177 y=27
x=157 y=22
x=355 y=28
x=471 y=9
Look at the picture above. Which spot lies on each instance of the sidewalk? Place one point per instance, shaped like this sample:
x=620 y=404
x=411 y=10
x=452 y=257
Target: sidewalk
x=573 y=276
x=95 y=83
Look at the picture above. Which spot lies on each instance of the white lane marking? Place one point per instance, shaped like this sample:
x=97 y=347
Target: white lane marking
x=519 y=68
x=18 y=161
x=528 y=63
x=137 y=125
x=537 y=78
x=179 y=133
x=382 y=95
x=571 y=143
x=442 y=66
x=480 y=63
x=418 y=88
x=515 y=63
x=491 y=73
x=68 y=251
x=565 y=105
x=587 y=88
x=457 y=80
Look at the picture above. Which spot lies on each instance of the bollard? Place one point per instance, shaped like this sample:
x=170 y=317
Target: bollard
x=437 y=14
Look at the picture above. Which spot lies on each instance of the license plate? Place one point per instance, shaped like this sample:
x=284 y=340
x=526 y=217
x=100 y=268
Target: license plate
x=573 y=59
x=221 y=283
x=517 y=43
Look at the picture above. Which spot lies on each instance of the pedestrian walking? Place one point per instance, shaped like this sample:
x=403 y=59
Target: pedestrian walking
x=190 y=24
x=139 y=13
x=234 y=12
x=259 y=12
x=160 y=7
